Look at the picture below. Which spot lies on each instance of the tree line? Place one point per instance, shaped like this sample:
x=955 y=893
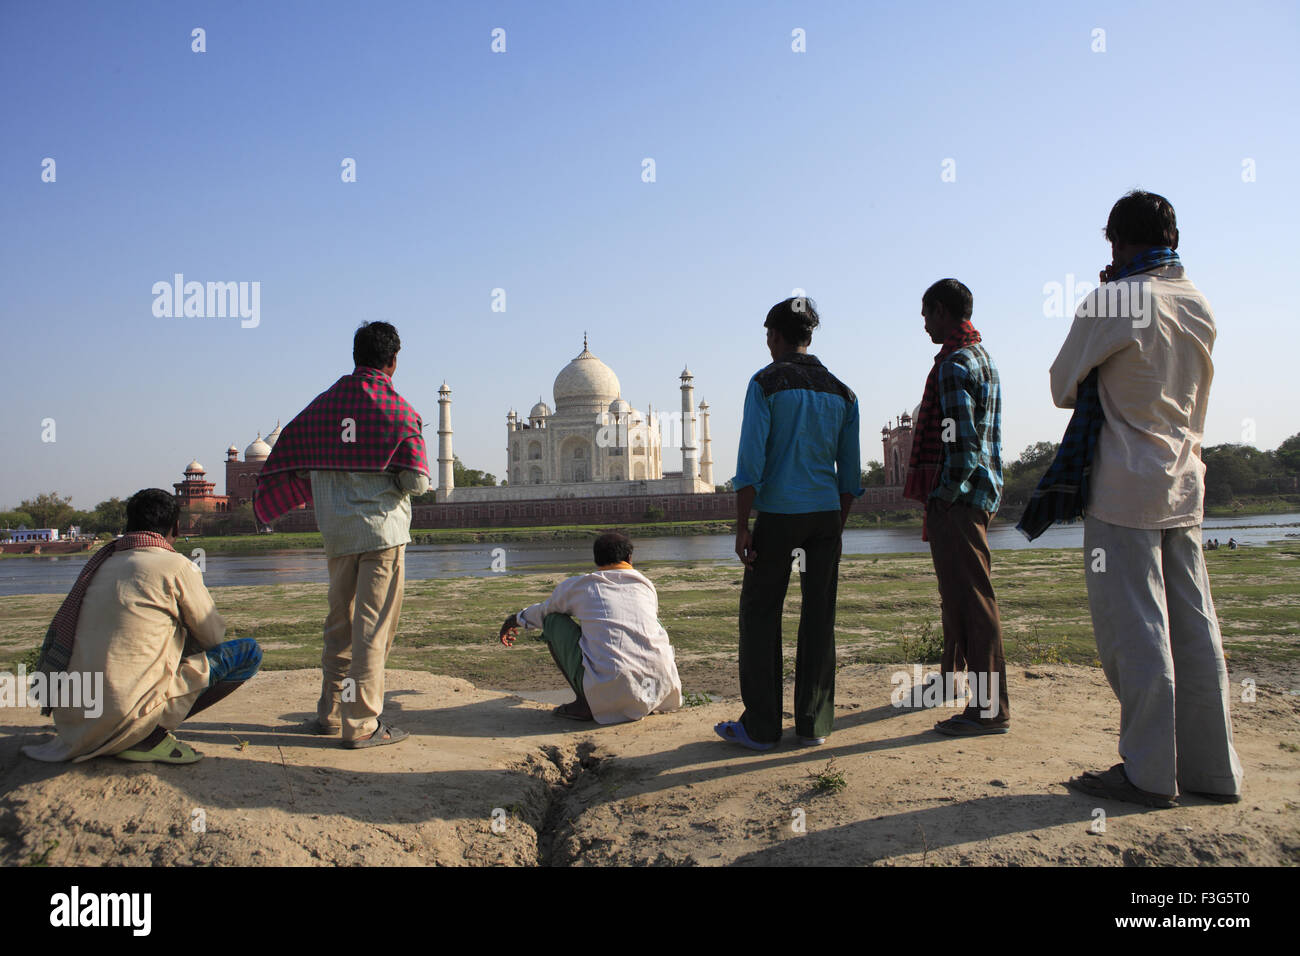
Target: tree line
x=1232 y=471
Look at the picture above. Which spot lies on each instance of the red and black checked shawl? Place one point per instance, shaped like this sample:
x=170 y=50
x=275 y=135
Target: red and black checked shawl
x=56 y=652
x=386 y=435
x=926 y=463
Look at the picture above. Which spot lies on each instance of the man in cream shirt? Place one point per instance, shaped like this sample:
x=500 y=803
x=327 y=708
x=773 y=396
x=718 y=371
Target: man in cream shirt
x=603 y=632
x=1150 y=335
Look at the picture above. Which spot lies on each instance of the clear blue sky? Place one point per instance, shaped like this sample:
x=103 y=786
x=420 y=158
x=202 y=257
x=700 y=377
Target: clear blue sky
x=775 y=170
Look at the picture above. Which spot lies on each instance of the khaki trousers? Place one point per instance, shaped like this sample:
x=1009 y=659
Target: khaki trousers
x=365 y=602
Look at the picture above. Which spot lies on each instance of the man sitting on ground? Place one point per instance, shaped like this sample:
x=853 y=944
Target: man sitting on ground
x=135 y=610
x=603 y=632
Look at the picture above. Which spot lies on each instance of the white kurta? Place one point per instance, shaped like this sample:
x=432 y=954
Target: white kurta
x=1155 y=387
x=630 y=670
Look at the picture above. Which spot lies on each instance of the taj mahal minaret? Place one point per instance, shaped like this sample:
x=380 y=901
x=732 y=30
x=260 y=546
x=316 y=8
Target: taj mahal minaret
x=446 y=481
x=690 y=464
x=706 y=449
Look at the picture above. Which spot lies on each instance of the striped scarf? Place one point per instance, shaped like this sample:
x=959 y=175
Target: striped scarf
x=1062 y=493
x=359 y=424
x=56 y=652
x=926 y=462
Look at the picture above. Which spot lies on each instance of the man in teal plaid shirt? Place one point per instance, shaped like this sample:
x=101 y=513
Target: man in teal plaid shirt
x=956 y=469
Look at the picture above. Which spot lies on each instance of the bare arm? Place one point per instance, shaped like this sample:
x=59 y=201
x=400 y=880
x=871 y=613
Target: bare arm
x=744 y=541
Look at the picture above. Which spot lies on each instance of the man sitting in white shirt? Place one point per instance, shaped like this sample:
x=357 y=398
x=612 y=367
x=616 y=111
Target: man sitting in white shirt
x=603 y=632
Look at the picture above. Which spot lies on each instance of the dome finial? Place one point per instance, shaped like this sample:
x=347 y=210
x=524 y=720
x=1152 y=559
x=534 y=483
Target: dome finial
x=584 y=340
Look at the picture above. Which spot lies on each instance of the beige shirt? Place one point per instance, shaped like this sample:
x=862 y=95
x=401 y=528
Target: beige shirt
x=629 y=669
x=132 y=630
x=1155 y=387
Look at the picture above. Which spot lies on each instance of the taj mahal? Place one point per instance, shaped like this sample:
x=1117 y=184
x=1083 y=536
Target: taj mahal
x=592 y=444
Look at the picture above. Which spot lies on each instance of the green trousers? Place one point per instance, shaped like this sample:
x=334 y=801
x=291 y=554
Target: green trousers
x=563 y=635
x=762 y=599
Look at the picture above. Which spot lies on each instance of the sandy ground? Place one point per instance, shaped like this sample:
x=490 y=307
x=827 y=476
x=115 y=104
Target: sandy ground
x=491 y=778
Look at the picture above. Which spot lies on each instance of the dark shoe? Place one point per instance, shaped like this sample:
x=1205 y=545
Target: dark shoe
x=1114 y=784
x=961 y=726
x=384 y=735
x=1216 y=797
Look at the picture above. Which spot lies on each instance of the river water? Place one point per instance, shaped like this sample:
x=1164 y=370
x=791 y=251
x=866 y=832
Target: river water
x=55 y=574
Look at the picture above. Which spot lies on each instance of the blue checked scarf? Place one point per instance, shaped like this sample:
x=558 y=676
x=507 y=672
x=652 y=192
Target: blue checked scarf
x=1062 y=493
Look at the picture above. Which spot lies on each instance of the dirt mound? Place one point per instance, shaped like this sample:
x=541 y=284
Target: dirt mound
x=490 y=778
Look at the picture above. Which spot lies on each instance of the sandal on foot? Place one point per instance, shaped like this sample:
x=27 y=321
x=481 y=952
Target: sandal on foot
x=168 y=750
x=384 y=735
x=733 y=732
x=962 y=726
x=574 y=711
x=811 y=741
x=1114 y=784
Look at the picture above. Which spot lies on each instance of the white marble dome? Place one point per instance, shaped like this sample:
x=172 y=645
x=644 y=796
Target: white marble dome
x=540 y=410
x=194 y=467
x=272 y=438
x=586 y=382
x=620 y=407
x=258 y=450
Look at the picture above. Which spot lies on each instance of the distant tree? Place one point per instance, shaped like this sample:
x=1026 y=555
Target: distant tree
x=874 y=476
x=108 y=516
x=48 y=510
x=1021 y=477
x=469 y=477
x=15 y=519
x=1288 y=455
x=729 y=486
x=1232 y=470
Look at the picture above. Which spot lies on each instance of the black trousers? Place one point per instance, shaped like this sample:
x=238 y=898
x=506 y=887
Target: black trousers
x=762 y=598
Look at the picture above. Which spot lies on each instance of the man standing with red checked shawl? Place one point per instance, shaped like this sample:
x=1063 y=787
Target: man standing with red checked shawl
x=357 y=453
x=956 y=471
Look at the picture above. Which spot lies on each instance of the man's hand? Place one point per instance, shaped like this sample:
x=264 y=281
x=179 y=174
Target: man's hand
x=1107 y=272
x=509 y=631
x=745 y=546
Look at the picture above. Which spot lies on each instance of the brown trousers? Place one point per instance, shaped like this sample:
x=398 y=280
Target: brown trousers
x=365 y=602
x=972 y=628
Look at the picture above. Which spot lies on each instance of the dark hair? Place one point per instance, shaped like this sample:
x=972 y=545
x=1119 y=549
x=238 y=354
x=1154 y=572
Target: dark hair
x=375 y=345
x=794 y=319
x=953 y=296
x=1142 y=219
x=152 y=510
x=611 y=548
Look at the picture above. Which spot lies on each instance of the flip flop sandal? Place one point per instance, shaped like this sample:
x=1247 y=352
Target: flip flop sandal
x=168 y=750
x=1114 y=784
x=377 y=739
x=733 y=732
x=960 y=726
x=564 y=710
